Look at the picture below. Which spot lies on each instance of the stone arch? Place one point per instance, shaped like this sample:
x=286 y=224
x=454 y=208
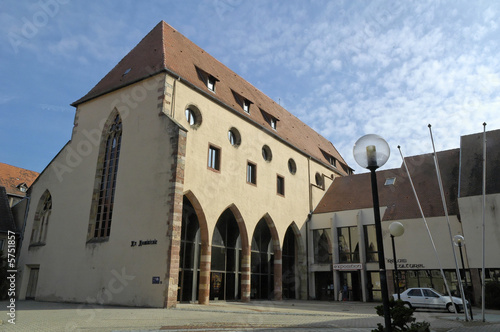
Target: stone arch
x=300 y=260
x=41 y=222
x=277 y=264
x=205 y=255
x=230 y=268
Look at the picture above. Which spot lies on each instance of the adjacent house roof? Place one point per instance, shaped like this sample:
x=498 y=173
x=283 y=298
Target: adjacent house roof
x=471 y=164
x=354 y=192
x=165 y=49
x=15 y=178
x=6 y=219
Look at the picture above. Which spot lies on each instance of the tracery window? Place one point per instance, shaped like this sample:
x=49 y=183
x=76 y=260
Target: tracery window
x=42 y=216
x=101 y=227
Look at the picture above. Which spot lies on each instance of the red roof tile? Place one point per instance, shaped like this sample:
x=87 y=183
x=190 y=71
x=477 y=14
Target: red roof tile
x=165 y=49
x=12 y=177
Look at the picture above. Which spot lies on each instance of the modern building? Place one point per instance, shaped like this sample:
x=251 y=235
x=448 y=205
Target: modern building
x=342 y=229
x=181 y=182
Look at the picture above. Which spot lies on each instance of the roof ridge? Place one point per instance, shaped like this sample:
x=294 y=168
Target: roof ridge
x=18 y=167
x=166 y=49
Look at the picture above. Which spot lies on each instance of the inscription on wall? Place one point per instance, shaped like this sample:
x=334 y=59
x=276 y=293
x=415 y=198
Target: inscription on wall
x=143 y=243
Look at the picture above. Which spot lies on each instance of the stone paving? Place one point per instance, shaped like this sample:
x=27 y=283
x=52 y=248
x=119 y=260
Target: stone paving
x=224 y=316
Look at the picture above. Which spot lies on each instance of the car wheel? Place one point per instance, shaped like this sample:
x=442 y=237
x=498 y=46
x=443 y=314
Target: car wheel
x=450 y=308
x=408 y=305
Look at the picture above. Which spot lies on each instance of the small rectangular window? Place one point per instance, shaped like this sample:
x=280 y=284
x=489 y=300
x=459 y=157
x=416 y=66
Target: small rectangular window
x=251 y=173
x=214 y=158
x=211 y=83
x=246 y=106
x=280 y=185
x=273 y=123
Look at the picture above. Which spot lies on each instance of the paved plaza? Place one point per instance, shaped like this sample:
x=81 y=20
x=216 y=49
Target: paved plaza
x=224 y=316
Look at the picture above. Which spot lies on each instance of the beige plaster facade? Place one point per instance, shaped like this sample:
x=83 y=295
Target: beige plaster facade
x=164 y=182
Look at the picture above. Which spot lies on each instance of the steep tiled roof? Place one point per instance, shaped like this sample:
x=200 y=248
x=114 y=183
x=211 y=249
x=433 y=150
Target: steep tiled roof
x=6 y=219
x=165 y=49
x=12 y=177
x=471 y=164
x=354 y=192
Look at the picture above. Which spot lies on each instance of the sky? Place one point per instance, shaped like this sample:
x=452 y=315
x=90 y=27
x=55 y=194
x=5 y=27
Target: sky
x=345 y=68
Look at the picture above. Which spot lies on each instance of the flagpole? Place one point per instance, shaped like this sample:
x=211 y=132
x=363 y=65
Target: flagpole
x=445 y=208
x=428 y=232
x=483 y=274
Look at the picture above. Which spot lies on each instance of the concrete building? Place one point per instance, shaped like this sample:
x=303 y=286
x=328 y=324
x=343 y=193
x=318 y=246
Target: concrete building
x=181 y=182
x=342 y=231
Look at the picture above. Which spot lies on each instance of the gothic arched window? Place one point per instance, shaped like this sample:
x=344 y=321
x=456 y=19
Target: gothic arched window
x=42 y=216
x=106 y=177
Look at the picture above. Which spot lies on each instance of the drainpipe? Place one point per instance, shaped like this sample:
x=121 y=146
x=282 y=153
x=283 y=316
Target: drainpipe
x=307 y=224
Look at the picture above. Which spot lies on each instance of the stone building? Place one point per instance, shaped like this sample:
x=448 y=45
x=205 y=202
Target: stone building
x=181 y=182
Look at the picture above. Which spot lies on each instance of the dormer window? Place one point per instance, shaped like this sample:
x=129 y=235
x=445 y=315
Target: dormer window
x=206 y=78
x=246 y=105
x=242 y=101
x=332 y=161
x=211 y=83
x=273 y=122
x=22 y=187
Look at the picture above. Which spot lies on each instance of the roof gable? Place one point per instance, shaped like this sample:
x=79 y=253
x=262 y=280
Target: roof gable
x=165 y=49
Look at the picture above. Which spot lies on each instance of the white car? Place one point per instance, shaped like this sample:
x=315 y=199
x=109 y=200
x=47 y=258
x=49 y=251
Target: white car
x=429 y=298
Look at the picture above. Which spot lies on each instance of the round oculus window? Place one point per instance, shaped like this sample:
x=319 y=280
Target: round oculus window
x=193 y=116
x=234 y=137
x=266 y=153
x=292 y=166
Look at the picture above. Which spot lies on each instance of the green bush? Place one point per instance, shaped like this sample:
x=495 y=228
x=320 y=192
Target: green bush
x=492 y=296
x=402 y=319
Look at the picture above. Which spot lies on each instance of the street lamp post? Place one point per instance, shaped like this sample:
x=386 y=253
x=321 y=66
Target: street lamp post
x=459 y=241
x=371 y=152
x=396 y=229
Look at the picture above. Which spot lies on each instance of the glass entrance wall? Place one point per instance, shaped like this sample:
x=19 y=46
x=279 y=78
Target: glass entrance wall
x=323 y=282
x=322 y=246
x=262 y=263
x=226 y=259
x=189 y=259
x=351 y=285
x=348 y=244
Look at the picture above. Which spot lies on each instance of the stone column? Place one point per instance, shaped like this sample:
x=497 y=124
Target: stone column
x=245 y=274
x=205 y=267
